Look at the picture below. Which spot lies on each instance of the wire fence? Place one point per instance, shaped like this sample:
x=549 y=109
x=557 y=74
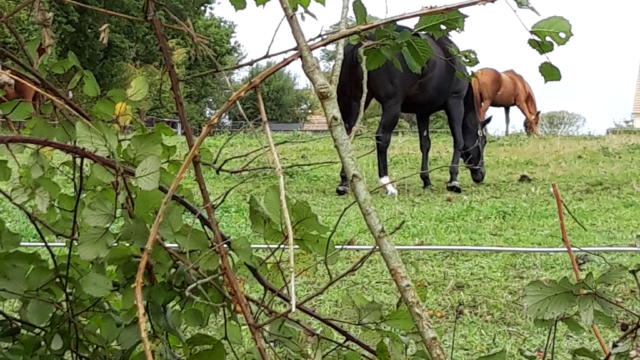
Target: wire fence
x=431 y=248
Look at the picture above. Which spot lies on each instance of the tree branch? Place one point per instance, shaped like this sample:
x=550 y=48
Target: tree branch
x=237 y=291
x=327 y=96
x=574 y=262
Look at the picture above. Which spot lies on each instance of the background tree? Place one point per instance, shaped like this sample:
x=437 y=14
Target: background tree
x=561 y=123
x=116 y=50
x=284 y=101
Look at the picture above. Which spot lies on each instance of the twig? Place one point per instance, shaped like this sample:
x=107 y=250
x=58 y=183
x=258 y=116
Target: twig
x=335 y=73
x=355 y=267
x=218 y=241
x=16 y=10
x=286 y=217
x=262 y=281
x=402 y=281
x=127 y=17
x=574 y=262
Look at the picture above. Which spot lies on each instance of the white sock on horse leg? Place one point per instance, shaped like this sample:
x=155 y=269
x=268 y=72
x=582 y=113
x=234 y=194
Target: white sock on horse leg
x=388 y=186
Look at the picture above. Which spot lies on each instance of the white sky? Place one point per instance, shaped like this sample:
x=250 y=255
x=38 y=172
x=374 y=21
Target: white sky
x=599 y=64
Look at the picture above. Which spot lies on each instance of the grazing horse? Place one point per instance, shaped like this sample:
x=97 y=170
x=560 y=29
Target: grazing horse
x=14 y=88
x=492 y=88
x=437 y=88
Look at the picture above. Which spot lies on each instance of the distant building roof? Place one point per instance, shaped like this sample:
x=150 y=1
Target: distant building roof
x=636 y=103
x=284 y=126
x=315 y=123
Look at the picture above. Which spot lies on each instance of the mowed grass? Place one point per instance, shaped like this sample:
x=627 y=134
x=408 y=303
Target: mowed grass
x=599 y=178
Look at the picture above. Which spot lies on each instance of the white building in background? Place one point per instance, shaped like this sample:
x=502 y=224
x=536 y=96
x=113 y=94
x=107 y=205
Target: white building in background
x=636 y=104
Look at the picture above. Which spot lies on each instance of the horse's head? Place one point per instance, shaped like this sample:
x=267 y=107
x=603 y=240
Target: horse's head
x=473 y=156
x=531 y=125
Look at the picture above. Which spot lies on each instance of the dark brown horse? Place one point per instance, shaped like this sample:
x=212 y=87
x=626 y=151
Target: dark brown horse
x=506 y=89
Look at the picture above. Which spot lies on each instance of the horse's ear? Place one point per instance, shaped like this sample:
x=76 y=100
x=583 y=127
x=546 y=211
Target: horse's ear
x=486 y=122
x=538 y=113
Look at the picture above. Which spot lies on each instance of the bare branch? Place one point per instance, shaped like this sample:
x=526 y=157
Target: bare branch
x=574 y=262
x=286 y=217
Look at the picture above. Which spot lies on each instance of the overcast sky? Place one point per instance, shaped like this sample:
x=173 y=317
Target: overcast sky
x=599 y=64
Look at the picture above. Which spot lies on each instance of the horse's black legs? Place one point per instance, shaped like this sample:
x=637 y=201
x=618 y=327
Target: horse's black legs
x=506 y=118
x=425 y=146
x=455 y=112
x=349 y=117
x=390 y=116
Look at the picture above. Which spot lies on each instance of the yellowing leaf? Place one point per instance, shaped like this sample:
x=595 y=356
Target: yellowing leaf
x=122 y=111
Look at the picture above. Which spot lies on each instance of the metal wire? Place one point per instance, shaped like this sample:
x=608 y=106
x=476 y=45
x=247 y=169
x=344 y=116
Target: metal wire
x=437 y=248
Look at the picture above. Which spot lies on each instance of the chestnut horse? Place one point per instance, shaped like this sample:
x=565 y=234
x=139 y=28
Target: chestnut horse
x=14 y=87
x=506 y=89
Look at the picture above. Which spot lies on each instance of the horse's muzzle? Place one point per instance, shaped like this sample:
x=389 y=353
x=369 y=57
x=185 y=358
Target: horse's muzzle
x=478 y=174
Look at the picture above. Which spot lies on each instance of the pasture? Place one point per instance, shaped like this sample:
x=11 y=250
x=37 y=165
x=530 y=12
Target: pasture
x=599 y=178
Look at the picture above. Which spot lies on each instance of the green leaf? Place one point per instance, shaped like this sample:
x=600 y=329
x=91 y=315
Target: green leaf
x=94 y=242
x=411 y=62
x=360 y=12
x=5 y=171
x=234 y=332
x=201 y=339
x=438 y=25
x=382 y=351
x=555 y=28
x=584 y=353
x=104 y=108
x=524 y=4
x=148 y=173
x=8 y=239
x=550 y=72
x=56 y=342
x=573 y=325
x=96 y=285
x=75 y=80
x=17 y=110
x=90 y=138
x=61 y=66
x=239 y=4
x=612 y=276
x=117 y=95
x=42 y=200
x=420 y=49
x=90 y=85
x=193 y=317
x=99 y=211
x=73 y=59
x=39 y=312
x=138 y=89
x=374 y=58
x=549 y=300
x=500 y=355
x=216 y=352
x=145 y=145
x=400 y=319
x=192 y=239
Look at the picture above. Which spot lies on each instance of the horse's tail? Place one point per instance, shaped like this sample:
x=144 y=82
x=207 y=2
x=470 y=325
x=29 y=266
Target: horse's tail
x=477 y=96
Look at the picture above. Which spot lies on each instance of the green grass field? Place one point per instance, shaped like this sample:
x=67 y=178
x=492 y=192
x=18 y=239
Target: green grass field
x=599 y=178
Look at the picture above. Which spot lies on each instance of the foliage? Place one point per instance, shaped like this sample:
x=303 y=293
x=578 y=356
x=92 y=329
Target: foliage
x=130 y=50
x=561 y=123
x=95 y=182
x=283 y=100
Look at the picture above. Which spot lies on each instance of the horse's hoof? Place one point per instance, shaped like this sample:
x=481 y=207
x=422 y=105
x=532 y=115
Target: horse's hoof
x=392 y=191
x=454 y=187
x=426 y=184
x=342 y=190
x=388 y=186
